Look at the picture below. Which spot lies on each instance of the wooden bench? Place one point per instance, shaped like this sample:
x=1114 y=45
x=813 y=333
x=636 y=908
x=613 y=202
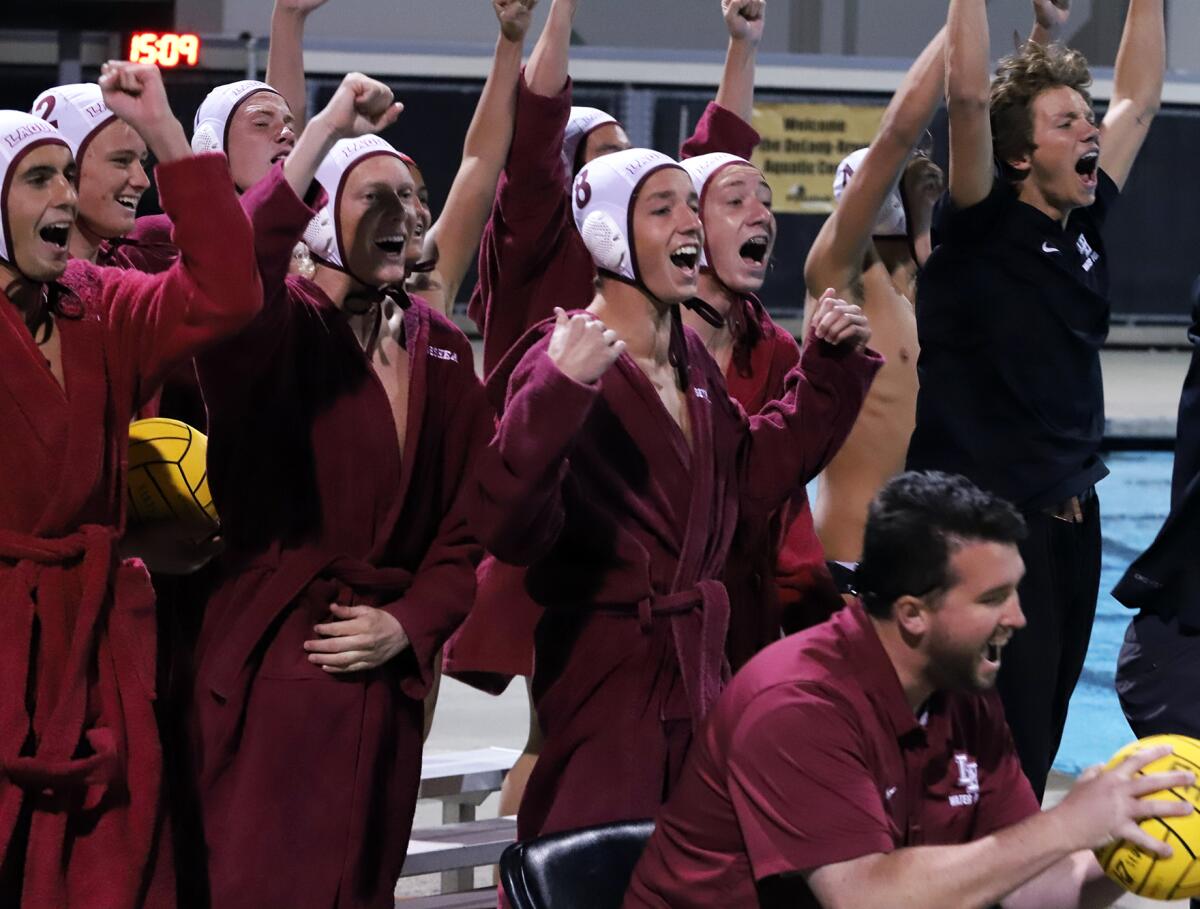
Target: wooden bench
x=461 y=781
x=484 y=898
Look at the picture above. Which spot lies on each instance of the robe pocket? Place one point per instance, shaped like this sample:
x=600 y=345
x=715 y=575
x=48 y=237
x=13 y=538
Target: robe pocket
x=284 y=656
x=131 y=625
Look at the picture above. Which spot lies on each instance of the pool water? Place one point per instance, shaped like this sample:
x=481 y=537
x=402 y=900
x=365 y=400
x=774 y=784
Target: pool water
x=1134 y=500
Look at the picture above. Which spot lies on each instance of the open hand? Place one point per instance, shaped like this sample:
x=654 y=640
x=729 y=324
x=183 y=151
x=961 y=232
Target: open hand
x=360 y=105
x=838 y=322
x=1052 y=14
x=363 y=637
x=1106 y=805
x=744 y=19
x=515 y=17
x=582 y=347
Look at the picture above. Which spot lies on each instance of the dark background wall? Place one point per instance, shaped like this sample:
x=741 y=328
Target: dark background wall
x=1153 y=240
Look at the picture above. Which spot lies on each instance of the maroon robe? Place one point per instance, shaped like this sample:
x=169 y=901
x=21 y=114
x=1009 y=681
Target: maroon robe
x=625 y=530
x=80 y=763
x=308 y=781
x=776 y=573
x=531 y=259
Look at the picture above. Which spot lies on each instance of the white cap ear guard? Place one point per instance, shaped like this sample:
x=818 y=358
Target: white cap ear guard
x=20 y=133
x=581 y=124
x=891 y=222
x=601 y=198
x=77 y=111
x=212 y=119
x=702 y=169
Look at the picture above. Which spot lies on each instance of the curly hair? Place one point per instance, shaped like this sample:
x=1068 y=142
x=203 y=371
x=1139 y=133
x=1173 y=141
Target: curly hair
x=1020 y=79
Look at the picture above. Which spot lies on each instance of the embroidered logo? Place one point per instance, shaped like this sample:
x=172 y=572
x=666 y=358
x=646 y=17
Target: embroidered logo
x=1089 y=255
x=1048 y=249
x=968 y=780
x=888 y=793
x=701 y=393
x=440 y=353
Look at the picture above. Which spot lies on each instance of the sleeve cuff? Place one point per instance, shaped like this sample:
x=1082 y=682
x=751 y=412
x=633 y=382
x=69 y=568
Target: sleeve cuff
x=187 y=183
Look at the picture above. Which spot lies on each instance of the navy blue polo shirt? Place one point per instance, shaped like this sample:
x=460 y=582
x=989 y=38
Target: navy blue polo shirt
x=1012 y=310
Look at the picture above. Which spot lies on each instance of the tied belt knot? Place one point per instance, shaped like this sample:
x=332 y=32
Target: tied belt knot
x=63 y=728
x=699 y=645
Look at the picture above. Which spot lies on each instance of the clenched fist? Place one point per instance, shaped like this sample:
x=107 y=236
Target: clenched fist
x=1052 y=14
x=514 y=16
x=135 y=93
x=744 y=19
x=838 y=322
x=581 y=347
x=361 y=105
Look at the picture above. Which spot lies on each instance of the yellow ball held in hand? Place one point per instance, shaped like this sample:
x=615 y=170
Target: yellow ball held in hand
x=1147 y=875
x=168 y=478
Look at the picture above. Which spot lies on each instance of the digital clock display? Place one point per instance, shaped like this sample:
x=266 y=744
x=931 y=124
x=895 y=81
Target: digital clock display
x=165 y=50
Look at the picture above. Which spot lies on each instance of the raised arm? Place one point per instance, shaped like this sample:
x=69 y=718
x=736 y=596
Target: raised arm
x=213 y=289
x=452 y=241
x=836 y=256
x=285 y=57
x=1049 y=16
x=546 y=74
x=744 y=19
x=1137 y=89
x=968 y=90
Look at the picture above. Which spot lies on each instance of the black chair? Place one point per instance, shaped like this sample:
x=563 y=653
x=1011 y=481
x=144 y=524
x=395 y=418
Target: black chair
x=576 y=869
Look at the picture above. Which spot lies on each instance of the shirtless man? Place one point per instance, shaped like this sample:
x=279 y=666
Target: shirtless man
x=870 y=249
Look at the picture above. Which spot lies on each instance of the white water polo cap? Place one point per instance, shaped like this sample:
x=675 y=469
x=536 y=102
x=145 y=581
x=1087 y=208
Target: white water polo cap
x=20 y=133
x=602 y=200
x=582 y=123
x=211 y=129
x=323 y=236
x=702 y=169
x=891 y=222
x=77 y=111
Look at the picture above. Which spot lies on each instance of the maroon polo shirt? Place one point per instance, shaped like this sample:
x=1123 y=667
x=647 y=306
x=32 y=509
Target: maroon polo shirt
x=813 y=756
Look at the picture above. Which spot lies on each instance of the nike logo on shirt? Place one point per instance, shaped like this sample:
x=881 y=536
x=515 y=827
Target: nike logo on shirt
x=1047 y=248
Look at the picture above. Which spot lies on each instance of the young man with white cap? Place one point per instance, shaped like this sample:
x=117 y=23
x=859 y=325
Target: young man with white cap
x=617 y=474
x=531 y=259
x=111 y=162
x=1012 y=313
x=776 y=567
x=81 y=817
x=531 y=256
x=342 y=423
x=870 y=249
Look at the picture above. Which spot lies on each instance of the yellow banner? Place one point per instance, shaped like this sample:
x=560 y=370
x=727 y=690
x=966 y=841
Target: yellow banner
x=802 y=145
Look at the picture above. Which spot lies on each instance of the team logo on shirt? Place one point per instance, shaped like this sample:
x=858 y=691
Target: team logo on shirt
x=1090 y=256
x=440 y=353
x=968 y=780
x=701 y=393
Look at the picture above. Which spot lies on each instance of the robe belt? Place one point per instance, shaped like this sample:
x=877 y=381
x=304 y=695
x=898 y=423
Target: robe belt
x=311 y=574
x=53 y=768
x=699 y=647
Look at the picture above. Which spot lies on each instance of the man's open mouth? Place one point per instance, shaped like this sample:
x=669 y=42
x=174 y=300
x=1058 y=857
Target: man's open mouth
x=56 y=234
x=686 y=257
x=1086 y=166
x=281 y=156
x=755 y=249
x=129 y=202
x=392 y=244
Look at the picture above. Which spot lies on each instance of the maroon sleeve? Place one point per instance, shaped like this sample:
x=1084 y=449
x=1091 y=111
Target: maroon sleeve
x=279 y=218
x=792 y=439
x=721 y=130
x=516 y=500
x=1005 y=796
x=803 y=808
x=443 y=587
x=531 y=213
x=158 y=321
